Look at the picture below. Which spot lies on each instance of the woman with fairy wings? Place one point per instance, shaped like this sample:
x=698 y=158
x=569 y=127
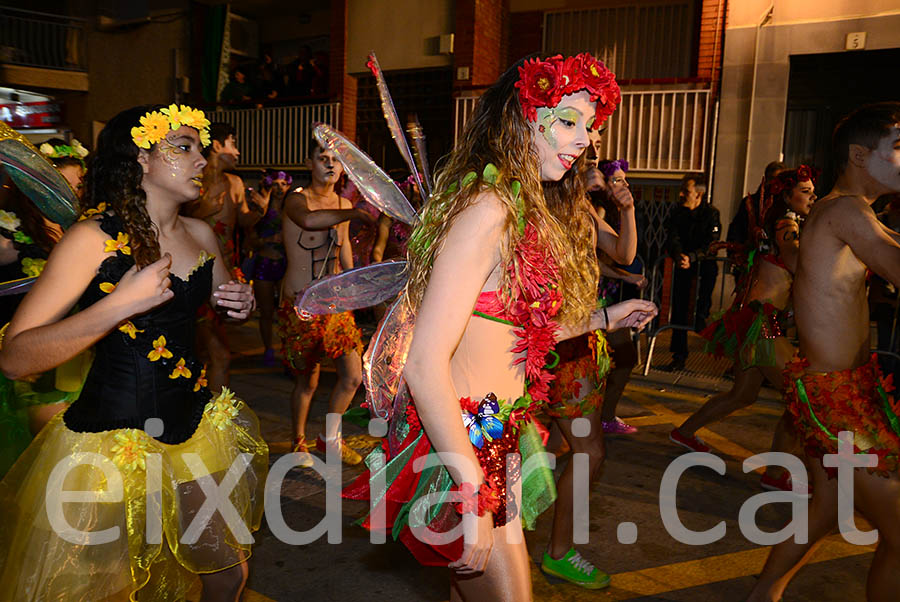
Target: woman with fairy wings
x=156 y=434
x=753 y=331
x=501 y=267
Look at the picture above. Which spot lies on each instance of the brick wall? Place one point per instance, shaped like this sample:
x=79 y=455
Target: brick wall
x=341 y=85
x=526 y=34
x=480 y=43
x=711 y=45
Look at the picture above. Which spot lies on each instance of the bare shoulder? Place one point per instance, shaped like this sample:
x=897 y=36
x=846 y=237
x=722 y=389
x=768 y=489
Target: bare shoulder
x=199 y=230
x=488 y=209
x=87 y=232
x=296 y=197
x=234 y=182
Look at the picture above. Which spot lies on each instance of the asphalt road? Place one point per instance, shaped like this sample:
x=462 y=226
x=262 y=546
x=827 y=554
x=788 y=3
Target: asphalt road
x=655 y=567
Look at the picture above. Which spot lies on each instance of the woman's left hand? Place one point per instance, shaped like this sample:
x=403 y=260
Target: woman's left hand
x=237 y=298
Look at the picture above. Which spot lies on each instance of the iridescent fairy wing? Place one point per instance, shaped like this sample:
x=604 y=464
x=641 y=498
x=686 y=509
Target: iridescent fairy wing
x=37 y=178
x=390 y=115
x=376 y=186
x=421 y=155
x=16 y=287
x=384 y=360
x=354 y=289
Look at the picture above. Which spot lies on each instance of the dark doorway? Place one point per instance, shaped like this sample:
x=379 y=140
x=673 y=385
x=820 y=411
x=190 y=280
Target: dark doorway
x=824 y=88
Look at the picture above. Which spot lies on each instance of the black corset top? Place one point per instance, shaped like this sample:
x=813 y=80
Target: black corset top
x=146 y=367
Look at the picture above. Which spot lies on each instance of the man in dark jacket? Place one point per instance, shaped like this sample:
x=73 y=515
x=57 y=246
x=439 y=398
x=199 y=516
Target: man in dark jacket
x=691 y=226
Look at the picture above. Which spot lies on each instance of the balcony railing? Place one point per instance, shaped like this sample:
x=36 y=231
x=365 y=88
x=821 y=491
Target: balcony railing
x=34 y=39
x=656 y=130
x=277 y=137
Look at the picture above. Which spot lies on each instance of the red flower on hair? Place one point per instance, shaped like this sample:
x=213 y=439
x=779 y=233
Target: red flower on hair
x=544 y=83
x=539 y=85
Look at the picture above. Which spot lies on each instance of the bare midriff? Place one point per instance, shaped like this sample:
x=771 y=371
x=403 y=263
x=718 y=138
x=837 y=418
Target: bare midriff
x=772 y=284
x=483 y=361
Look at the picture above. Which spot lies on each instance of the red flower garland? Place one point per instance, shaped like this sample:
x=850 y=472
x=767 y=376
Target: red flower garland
x=543 y=83
x=787 y=180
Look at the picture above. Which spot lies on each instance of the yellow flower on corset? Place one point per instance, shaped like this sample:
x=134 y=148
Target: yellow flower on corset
x=201 y=380
x=130 y=449
x=108 y=287
x=222 y=410
x=180 y=371
x=120 y=244
x=129 y=328
x=9 y=221
x=159 y=350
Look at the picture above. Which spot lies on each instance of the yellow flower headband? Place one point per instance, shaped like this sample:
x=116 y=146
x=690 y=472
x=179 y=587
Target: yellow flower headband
x=156 y=124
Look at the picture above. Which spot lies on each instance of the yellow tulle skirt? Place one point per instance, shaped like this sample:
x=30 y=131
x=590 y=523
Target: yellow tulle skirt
x=133 y=534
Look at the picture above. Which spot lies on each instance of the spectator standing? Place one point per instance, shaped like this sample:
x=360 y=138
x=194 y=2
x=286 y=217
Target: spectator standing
x=691 y=226
x=237 y=90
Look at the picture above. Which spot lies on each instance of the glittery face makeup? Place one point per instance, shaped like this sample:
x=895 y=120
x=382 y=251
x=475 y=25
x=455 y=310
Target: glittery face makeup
x=561 y=133
x=176 y=164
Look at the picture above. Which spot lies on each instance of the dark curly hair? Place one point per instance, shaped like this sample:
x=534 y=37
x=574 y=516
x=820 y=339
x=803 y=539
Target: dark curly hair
x=115 y=179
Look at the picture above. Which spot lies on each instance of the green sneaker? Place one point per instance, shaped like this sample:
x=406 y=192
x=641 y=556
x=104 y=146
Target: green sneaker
x=575 y=569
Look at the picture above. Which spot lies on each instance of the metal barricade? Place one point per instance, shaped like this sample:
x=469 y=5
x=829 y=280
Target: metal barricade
x=657 y=288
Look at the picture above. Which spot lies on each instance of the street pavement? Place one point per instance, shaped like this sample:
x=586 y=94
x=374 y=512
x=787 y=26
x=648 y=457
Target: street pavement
x=655 y=567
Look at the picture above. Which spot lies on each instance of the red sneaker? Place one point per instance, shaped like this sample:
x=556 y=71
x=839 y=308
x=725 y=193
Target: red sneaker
x=695 y=444
x=784 y=483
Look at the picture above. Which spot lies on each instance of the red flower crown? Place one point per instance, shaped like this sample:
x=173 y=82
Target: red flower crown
x=787 y=180
x=543 y=83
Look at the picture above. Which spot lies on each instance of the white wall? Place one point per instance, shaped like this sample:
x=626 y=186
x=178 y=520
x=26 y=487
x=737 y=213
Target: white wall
x=746 y=13
x=401 y=32
x=776 y=45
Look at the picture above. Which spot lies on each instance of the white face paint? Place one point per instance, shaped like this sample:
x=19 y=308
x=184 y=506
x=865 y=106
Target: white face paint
x=883 y=162
x=560 y=133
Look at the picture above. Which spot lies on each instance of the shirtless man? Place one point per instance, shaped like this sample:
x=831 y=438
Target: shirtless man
x=833 y=385
x=317 y=243
x=223 y=205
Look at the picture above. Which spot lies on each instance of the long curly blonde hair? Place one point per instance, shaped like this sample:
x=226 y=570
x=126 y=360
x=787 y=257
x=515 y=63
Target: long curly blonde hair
x=498 y=133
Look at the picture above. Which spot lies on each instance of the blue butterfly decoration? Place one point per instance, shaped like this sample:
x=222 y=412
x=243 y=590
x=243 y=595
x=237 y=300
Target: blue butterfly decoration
x=483 y=425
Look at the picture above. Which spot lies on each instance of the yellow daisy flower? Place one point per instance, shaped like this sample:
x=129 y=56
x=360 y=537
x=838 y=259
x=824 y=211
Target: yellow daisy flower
x=204 y=137
x=33 y=267
x=174 y=115
x=120 y=244
x=129 y=328
x=201 y=380
x=157 y=126
x=159 y=350
x=130 y=449
x=180 y=370
x=107 y=287
x=140 y=137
